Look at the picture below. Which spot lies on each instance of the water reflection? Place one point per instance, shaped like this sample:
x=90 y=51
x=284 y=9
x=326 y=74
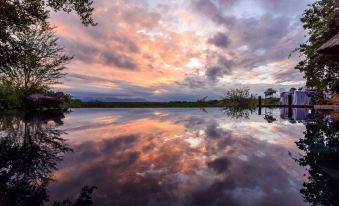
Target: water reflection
x=238 y=113
x=167 y=157
x=321 y=156
x=180 y=157
x=30 y=148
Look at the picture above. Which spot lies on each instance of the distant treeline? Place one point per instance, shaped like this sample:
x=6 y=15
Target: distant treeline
x=234 y=98
x=183 y=104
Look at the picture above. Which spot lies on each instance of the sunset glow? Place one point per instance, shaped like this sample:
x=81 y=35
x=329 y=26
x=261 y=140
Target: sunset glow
x=181 y=50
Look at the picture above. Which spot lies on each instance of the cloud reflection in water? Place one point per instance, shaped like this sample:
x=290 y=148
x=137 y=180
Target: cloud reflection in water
x=182 y=157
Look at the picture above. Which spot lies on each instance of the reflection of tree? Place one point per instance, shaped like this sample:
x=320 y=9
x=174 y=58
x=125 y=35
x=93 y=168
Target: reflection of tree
x=30 y=148
x=238 y=112
x=321 y=156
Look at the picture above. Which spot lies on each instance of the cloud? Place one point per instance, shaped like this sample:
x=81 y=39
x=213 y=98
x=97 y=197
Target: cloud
x=220 y=165
x=219 y=40
x=218 y=66
x=288 y=76
x=118 y=60
x=91 y=54
x=192 y=49
x=211 y=10
x=291 y=7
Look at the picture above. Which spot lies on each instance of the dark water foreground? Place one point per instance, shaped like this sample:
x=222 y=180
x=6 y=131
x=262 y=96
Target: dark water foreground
x=169 y=157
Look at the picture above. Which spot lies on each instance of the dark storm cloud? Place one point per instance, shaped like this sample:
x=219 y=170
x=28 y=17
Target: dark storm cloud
x=219 y=40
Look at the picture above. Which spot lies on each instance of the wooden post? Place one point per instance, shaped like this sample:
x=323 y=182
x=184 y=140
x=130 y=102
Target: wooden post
x=259 y=104
x=290 y=112
x=290 y=101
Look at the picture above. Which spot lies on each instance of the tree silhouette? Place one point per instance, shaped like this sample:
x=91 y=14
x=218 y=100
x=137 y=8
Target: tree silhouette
x=39 y=62
x=319 y=22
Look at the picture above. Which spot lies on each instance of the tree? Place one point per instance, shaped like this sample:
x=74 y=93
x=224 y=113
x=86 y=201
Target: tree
x=19 y=15
x=319 y=22
x=30 y=58
x=39 y=61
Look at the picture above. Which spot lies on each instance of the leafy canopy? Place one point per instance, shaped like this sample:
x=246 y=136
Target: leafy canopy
x=29 y=55
x=319 y=22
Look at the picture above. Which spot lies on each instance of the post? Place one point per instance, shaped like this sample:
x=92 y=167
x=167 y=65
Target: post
x=290 y=101
x=336 y=10
x=290 y=113
x=259 y=104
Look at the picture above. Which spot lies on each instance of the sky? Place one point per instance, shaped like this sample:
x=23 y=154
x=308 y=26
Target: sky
x=155 y=50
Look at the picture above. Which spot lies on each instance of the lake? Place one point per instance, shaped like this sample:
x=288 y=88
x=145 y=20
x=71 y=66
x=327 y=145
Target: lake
x=169 y=157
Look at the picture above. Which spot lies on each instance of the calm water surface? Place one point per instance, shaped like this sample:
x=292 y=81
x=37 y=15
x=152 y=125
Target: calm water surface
x=169 y=157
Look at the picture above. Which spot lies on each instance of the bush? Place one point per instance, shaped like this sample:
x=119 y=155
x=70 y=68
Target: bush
x=10 y=98
x=238 y=103
x=239 y=98
x=15 y=98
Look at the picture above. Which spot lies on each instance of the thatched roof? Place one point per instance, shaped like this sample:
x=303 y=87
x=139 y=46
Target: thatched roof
x=270 y=91
x=331 y=46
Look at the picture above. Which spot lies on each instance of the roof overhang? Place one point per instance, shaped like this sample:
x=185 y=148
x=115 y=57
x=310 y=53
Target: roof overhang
x=331 y=46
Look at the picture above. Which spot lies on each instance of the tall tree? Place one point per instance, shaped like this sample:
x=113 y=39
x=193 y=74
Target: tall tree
x=319 y=22
x=39 y=61
x=29 y=55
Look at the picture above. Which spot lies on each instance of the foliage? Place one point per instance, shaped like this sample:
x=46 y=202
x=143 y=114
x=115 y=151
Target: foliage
x=30 y=59
x=10 y=98
x=238 y=103
x=240 y=98
x=17 y=16
x=319 y=22
x=40 y=61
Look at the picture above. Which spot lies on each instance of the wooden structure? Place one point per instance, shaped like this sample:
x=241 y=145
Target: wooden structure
x=331 y=47
x=41 y=100
x=269 y=94
x=289 y=105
